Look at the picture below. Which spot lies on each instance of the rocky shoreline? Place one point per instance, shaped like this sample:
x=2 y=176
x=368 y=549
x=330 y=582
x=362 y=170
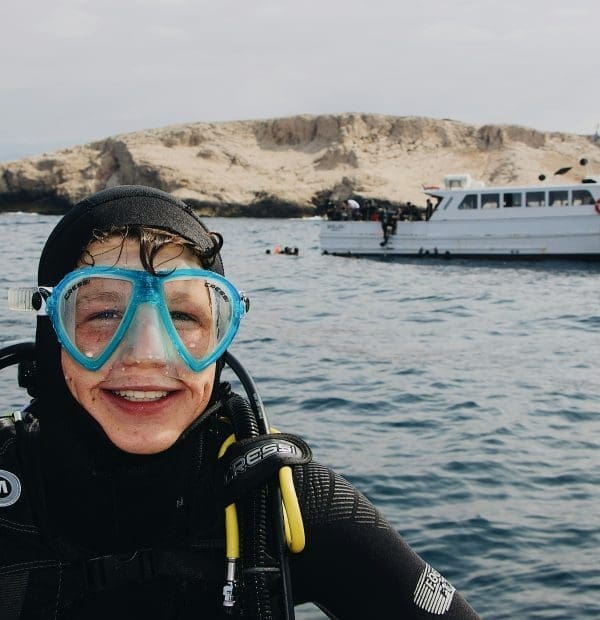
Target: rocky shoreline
x=297 y=166
x=51 y=204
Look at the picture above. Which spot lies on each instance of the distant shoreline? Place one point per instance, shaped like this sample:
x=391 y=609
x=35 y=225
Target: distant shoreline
x=52 y=205
x=234 y=212
x=266 y=207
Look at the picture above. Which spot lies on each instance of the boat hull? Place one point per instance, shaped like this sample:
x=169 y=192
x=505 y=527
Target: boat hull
x=573 y=235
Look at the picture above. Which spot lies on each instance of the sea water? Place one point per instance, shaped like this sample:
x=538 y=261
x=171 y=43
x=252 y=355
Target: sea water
x=461 y=397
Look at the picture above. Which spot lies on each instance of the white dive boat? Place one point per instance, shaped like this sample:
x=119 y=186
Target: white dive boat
x=468 y=219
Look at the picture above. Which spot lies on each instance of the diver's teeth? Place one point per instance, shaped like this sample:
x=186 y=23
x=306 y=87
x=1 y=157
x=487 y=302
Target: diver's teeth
x=139 y=395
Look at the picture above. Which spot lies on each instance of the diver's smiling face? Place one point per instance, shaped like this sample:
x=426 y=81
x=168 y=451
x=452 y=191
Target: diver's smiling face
x=141 y=398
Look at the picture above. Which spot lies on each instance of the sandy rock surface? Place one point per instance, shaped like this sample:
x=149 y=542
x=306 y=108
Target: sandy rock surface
x=288 y=166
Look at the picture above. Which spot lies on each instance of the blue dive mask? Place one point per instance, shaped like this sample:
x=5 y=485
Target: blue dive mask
x=194 y=312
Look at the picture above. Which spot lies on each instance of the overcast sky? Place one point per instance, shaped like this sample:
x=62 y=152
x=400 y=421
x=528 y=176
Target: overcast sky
x=76 y=70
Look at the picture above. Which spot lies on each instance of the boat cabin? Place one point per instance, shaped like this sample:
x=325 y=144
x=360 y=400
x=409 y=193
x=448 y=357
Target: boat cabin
x=461 y=181
x=515 y=197
x=461 y=192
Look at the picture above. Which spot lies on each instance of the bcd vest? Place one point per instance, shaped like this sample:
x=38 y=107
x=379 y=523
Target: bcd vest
x=46 y=576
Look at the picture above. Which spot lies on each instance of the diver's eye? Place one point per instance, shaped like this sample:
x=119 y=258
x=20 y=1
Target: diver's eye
x=101 y=316
x=107 y=315
x=183 y=317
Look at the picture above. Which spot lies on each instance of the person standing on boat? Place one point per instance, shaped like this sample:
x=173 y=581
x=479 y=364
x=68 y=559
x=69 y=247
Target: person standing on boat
x=136 y=484
x=384 y=220
x=354 y=211
x=428 y=209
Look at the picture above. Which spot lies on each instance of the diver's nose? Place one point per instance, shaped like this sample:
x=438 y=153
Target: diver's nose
x=145 y=341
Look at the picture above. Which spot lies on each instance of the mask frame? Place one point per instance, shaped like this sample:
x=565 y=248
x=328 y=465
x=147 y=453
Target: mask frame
x=146 y=288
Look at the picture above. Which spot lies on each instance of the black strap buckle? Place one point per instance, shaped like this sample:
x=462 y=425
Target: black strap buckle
x=110 y=571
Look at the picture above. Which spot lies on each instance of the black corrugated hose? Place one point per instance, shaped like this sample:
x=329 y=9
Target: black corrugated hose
x=249 y=420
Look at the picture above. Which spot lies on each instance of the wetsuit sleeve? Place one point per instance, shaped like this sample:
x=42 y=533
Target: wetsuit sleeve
x=355 y=565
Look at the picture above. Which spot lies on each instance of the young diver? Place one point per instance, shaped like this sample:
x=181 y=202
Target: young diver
x=117 y=476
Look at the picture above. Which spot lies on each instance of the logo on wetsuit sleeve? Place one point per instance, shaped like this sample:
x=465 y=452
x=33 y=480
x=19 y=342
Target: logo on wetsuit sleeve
x=433 y=593
x=10 y=488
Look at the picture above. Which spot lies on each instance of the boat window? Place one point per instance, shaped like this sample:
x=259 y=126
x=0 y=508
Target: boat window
x=490 y=201
x=468 y=202
x=512 y=199
x=558 y=198
x=535 y=199
x=582 y=197
x=446 y=204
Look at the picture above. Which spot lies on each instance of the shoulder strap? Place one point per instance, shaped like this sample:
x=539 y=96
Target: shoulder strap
x=17 y=520
x=16 y=494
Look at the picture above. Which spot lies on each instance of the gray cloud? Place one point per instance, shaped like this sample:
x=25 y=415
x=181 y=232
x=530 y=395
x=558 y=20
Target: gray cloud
x=85 y=69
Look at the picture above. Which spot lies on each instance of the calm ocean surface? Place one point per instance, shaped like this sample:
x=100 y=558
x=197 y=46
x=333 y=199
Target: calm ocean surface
x=463 y=398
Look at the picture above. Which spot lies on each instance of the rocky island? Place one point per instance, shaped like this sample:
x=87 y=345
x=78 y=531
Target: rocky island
x=296 y=166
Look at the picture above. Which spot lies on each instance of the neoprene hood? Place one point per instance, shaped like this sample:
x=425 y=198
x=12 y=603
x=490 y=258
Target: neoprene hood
x=127 y=205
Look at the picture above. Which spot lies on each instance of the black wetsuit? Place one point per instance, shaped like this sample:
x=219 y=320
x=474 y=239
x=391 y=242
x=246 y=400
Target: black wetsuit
x=82 y=502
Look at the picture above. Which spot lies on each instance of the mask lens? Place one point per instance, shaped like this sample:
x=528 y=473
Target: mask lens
x=91 y=310
x=201 y=312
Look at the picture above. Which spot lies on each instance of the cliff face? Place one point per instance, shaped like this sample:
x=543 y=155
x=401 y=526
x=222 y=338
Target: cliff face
x=287 y=166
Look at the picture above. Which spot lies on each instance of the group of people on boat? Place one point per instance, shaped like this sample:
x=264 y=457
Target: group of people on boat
x=137 y=484
x=372 y=210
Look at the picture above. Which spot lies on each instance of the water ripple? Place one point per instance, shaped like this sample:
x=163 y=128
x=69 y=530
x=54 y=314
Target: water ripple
x=462 y=397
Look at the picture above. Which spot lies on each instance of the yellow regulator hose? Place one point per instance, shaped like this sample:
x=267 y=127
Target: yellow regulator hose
x=293 y=524
x=232 y=541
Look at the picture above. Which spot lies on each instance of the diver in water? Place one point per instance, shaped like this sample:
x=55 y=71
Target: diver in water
x=136 y=484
